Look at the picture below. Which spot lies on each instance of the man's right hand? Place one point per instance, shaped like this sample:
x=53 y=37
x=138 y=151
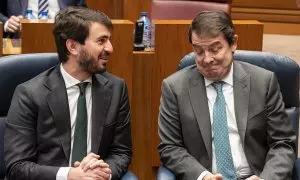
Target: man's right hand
x=213 y=177
x=12 y=25
x=77 y=173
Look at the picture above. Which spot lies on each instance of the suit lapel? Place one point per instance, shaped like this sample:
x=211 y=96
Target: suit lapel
x=241 y=90
x=101 y=98
x=59 y=106
x=197 y=91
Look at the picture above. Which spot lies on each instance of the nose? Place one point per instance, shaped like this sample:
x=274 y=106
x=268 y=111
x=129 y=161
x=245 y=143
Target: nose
x=208 y=58
x=108 y=47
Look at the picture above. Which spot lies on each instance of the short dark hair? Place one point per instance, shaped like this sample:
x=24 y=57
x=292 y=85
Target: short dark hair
x=73 y=23
x=212 y=23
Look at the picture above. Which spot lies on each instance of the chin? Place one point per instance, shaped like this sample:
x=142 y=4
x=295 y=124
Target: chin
x=212 y=77
x=101 y=70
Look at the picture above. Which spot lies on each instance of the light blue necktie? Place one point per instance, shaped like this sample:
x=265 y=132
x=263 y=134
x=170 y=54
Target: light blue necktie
x=43 y=6
x=221 y=138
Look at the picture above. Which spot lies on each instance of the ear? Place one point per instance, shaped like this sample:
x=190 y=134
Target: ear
x=72 y=46
x=234 y=43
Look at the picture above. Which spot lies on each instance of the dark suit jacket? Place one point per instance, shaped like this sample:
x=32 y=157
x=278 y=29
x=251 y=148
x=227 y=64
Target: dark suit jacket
x=265 y=130
x=3 y=12
x=38 y=132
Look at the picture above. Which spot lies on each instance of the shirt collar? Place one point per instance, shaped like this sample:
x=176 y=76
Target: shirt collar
x=227 y=79
x=70 y=80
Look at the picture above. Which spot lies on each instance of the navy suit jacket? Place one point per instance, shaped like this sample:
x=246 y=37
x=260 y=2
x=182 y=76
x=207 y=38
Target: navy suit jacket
x=18 y=7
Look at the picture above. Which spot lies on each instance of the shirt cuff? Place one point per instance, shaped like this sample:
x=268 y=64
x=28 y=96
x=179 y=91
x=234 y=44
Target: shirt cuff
x=204 y=173
x=62 y=173
x=5 y=26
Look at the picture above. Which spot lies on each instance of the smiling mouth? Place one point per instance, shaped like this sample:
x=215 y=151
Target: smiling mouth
x=103 y=58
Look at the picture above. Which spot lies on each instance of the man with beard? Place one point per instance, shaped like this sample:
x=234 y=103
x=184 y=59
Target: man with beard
x=71 y=121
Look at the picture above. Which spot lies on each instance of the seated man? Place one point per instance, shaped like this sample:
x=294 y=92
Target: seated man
x=223 y=119
x=71 y=121
x=16 y=10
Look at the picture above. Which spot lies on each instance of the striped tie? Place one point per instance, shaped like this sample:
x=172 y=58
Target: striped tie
x=43 y=6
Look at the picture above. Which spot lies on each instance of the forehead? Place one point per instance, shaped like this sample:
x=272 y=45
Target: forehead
x=206 y=40
x=97 y=30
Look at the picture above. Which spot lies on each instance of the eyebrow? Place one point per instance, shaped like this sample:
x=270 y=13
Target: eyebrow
x=212 y=44
x=104 y=36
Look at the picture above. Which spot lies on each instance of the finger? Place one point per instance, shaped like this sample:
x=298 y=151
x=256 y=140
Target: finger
x=107 y=170
x=86 y=159
x=101 y=173
x=15 y=18
x=253 y=177
x=94 y=174
x=94 y=155
x=88 y=164
x=14 y=23
x=76 y=164
x=11 y=29
x=12 y=26
x=99 y=163
x=218 y=177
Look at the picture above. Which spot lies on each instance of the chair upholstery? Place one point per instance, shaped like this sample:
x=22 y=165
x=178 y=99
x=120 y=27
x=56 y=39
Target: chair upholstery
x=287 y=72
x=186 y=9
x=15 y=70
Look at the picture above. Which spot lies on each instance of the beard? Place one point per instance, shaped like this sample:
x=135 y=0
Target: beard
x=89 y=64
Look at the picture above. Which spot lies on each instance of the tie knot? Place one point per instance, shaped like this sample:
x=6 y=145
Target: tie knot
x=82 y=87
x=218 y=86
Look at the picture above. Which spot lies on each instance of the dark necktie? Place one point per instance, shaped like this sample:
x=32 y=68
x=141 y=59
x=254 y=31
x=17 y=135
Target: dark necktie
x=80 y=136
x=224 y=160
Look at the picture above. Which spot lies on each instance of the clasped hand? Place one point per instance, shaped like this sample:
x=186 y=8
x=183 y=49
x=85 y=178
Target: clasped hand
x=90 y=168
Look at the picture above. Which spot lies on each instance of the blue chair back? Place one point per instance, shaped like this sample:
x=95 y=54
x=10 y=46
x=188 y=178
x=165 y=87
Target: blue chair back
x=16 y=69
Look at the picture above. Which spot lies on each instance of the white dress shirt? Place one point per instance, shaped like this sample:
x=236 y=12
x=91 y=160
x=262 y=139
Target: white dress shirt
x=53 y=8
x=238 y=155
x=73 y=94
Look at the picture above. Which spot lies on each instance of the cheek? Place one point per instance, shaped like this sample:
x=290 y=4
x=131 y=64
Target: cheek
x=199 y=60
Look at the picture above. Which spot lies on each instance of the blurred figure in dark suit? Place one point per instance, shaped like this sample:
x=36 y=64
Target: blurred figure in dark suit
x=15 y=9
